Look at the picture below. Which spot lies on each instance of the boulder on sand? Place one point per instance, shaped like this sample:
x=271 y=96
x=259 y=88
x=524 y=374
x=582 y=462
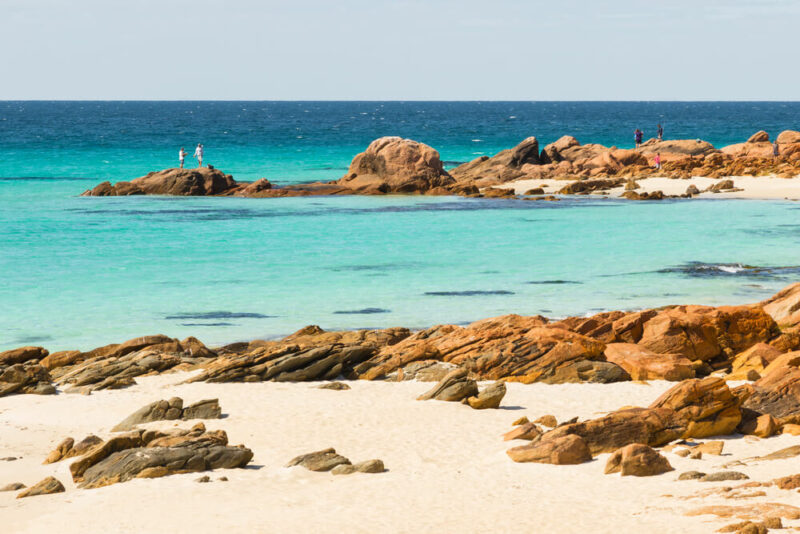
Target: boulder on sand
x=396 y=165
x=489 y=397
x=455 y=387
x=170 y=410
x=559 y=450
x=48 y=486
x=323 y=460
x=637 y=460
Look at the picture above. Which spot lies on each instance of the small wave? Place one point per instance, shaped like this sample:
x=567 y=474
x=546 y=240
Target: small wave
x=699 y=269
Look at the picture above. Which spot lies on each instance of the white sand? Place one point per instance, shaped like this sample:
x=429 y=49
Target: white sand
x=448 y=471
x=762 y=187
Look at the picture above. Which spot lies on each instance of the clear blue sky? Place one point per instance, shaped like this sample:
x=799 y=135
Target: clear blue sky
x=400 y=49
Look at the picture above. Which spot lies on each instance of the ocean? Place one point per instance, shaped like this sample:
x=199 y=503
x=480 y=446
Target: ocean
x=79 y=272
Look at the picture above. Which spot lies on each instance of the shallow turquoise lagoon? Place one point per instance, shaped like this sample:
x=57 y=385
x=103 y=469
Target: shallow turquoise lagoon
x=79 y=272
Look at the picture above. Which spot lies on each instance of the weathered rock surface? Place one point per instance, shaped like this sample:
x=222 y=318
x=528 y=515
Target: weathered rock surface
x=25 y=377
x=14 y=486
x=759 y=137
x=526 y=431
x=722 y=476
x=489 y=397
x=310 y=354
x=323 y=460
x=455 y=387
x=559 y=450
x=396 y=165
x=367 y=466
x=335 y=386
x=22 y=355
x=694 y=408
x=48 y=486
x=784 y=306
x=169 y=410
x=183 y=182
x=749 y=364
x=643 y=364
x=68 y=448
x=637 y=460
x=155 y=454
x=777 y=392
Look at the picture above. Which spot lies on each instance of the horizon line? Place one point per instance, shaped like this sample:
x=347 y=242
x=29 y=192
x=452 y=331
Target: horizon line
x=395 y=100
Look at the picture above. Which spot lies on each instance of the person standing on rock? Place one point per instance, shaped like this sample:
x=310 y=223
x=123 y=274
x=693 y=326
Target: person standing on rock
x=637 y=136
x=660 y=133
x=198 y=153
x=775 y=150
x=657 y=160
x=182 y=156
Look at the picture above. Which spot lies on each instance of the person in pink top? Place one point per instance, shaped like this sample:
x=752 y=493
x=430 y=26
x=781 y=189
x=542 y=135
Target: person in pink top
x=657 y=160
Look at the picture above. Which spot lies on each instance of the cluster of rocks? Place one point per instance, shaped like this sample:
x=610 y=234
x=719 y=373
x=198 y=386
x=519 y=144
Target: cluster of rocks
x=330 y=460
x=672 y=343
x=35 y=370
x=456 y=386
x=392 y=165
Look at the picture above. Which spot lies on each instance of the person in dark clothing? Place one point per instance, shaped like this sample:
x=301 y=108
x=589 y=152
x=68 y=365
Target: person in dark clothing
x=660 y=133
x=637 y=136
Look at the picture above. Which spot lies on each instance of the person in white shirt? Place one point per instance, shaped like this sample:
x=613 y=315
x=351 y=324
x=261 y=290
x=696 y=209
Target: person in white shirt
x=198 y=153
x=181 y=156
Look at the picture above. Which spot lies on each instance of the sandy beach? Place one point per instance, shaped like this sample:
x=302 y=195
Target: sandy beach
x=447 y=467
x=752 y=187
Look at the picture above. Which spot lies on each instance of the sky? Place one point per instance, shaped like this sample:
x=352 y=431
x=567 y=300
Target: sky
x=399 y=50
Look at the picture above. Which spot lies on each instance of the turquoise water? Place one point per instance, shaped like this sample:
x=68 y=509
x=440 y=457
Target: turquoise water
x=80 y=272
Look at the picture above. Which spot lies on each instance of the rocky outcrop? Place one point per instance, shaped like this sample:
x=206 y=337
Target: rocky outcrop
x=203 y=181
x=169 y=410
x=701 y=333
x=25 y=377
x=511 y=347
x=22 y=355
x=637 y=460
x=559 y=450
x=694 y=408
x=396 y=165
x=115 y=366
x=784 y=306
x=153 y=454
x=777 y=392
x=309 y=354
x=48 y=486
x=643 y=364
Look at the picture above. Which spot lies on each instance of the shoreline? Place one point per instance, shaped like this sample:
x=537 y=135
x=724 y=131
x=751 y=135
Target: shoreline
x=710 y=390
x=746 y=187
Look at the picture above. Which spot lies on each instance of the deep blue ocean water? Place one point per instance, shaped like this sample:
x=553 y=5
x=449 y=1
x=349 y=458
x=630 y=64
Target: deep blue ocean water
x=77 y=272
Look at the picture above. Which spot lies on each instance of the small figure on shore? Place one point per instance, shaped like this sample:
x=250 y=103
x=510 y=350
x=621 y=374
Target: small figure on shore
x=198 y=153
x=775 y=150
x=660 y=133
x=182 y=156
x=657 y=160
x=637 y=136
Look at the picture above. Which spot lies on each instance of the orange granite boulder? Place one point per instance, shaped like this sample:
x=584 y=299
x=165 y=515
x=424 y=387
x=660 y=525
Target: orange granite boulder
x=643 y=364
x=396 y=165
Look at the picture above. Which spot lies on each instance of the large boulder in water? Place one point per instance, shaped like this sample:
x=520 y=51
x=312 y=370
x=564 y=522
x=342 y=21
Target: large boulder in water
x=181 y=182
x=396 y=165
